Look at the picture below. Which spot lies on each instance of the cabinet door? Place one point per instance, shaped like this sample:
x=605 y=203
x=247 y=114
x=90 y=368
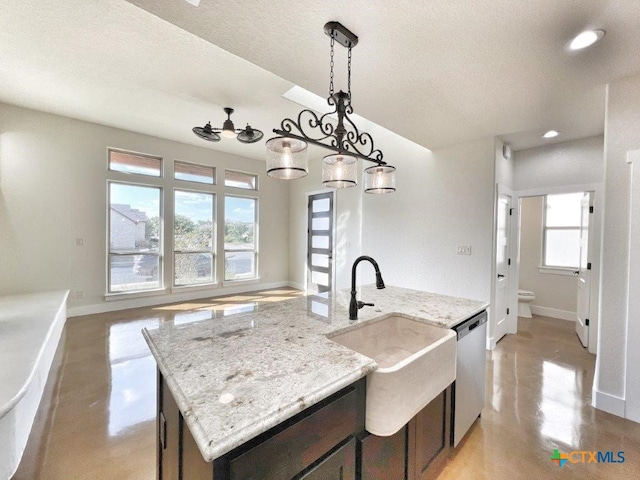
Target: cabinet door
x=168 y=433
x=429 y=433
x=384 y=457
x=340 y=465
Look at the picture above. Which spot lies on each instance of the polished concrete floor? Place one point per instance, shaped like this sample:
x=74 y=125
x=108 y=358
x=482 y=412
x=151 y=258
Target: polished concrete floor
x=97 y=419
x=539 y=400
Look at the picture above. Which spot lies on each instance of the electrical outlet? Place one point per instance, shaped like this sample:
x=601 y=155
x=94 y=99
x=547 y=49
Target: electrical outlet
x=464 y=250
x=79 y=242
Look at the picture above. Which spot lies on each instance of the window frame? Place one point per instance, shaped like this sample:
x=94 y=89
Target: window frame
x=255 y=248
x=160 y=175
x=255 y=175
x=159 y=253
x=195 y=182
x=214 y=236
x=544 y=267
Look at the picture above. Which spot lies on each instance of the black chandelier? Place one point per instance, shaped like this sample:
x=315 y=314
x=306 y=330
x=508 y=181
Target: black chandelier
x=287 y=153
x=228 y=130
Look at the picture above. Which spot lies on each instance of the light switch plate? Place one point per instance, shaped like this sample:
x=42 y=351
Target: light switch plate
x=464 y=250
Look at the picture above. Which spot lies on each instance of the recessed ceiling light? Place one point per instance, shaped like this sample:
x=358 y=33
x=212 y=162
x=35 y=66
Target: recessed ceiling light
x=551 y=134
x=585 y=39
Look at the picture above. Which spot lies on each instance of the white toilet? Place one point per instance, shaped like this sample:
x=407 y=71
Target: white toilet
x=525 y=297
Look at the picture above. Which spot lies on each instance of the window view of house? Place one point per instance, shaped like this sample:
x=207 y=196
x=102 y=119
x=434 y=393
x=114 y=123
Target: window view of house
x=240 y=246
x=134 y=237
x=193 y=238
x=562 y=230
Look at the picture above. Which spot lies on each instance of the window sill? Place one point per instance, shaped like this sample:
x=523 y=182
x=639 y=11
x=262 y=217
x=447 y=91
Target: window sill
x=110 y=297
x=248 y=281
x=567 y=271
x=194 y=288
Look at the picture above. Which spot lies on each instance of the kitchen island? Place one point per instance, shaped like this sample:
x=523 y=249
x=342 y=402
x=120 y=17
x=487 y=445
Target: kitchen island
x=234 y=379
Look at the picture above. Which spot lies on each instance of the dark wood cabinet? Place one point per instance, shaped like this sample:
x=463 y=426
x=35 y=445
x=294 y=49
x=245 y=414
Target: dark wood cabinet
x=417 y=451
x=429 y=438
x=338 y=465
x=327 y=441
x=383 y=457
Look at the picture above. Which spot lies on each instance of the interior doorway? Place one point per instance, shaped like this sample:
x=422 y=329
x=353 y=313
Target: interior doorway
x=557 y=255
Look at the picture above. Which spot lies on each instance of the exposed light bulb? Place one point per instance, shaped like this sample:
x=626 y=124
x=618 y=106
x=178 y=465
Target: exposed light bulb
x=379 y=181
x=287 y=161
x=339 y=168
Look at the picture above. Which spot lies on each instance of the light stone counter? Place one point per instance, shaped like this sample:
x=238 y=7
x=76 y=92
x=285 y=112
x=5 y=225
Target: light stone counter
x=235 y=377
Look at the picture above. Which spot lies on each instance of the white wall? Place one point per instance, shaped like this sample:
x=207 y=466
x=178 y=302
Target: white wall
x=53 y=190
x=556 y=292
x=617 y=383
x=569 y=163
x=444 y=199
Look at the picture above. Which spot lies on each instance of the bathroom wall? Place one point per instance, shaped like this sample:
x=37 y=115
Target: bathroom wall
x=53 y=190
x=555 y=294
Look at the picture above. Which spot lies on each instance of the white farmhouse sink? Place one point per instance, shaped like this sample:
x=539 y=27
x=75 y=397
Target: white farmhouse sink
x=416 y=361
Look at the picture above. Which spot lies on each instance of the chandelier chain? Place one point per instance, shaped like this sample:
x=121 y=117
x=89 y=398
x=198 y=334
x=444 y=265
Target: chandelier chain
x=331 y=64
x=349 y=76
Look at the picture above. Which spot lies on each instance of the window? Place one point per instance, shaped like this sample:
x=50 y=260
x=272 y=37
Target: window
x=138 y=185
x=134 y=237
x=194 y=173
x=562 y=214
x=248 y=181
x=128 y=162
x=240 y=237
x=193 y=237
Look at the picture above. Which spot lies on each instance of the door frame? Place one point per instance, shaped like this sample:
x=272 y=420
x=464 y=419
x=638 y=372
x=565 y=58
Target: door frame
x=512 y=297
x=595 y=249
x=332 y=191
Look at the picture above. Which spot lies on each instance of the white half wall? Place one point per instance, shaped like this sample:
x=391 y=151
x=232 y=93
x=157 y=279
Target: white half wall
x=53 y=180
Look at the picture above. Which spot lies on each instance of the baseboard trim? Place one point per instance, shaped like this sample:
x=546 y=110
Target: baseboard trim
x=608 y=403
x=297 y=285
x=554 y=313
x=113 y=306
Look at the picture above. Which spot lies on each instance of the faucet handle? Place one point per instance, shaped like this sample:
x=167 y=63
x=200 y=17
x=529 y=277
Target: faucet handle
x=364 y=304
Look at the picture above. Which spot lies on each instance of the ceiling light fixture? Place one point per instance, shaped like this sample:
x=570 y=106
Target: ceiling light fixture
x=228 y=130
x=550 y=134
x=585 y=39
x=287 y=153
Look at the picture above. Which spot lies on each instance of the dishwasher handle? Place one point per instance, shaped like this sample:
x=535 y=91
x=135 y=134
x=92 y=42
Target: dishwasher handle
x=470 y=324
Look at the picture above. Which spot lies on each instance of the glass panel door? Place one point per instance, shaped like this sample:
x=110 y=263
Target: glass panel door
x=320 y=243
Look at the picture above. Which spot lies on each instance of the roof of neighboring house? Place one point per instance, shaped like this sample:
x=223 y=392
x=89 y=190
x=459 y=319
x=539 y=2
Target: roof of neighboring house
x=132 y=214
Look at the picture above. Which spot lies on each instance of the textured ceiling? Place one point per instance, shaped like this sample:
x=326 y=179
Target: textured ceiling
x=435 y=72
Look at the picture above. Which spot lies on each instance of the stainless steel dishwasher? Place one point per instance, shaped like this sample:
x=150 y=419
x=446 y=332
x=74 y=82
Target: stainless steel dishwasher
x=469 y=387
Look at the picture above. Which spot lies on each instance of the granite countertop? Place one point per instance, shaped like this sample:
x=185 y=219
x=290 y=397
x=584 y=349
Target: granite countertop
x=235 y=377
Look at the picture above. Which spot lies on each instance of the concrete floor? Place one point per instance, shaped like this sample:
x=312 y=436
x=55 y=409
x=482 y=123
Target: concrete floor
x=97 y=419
